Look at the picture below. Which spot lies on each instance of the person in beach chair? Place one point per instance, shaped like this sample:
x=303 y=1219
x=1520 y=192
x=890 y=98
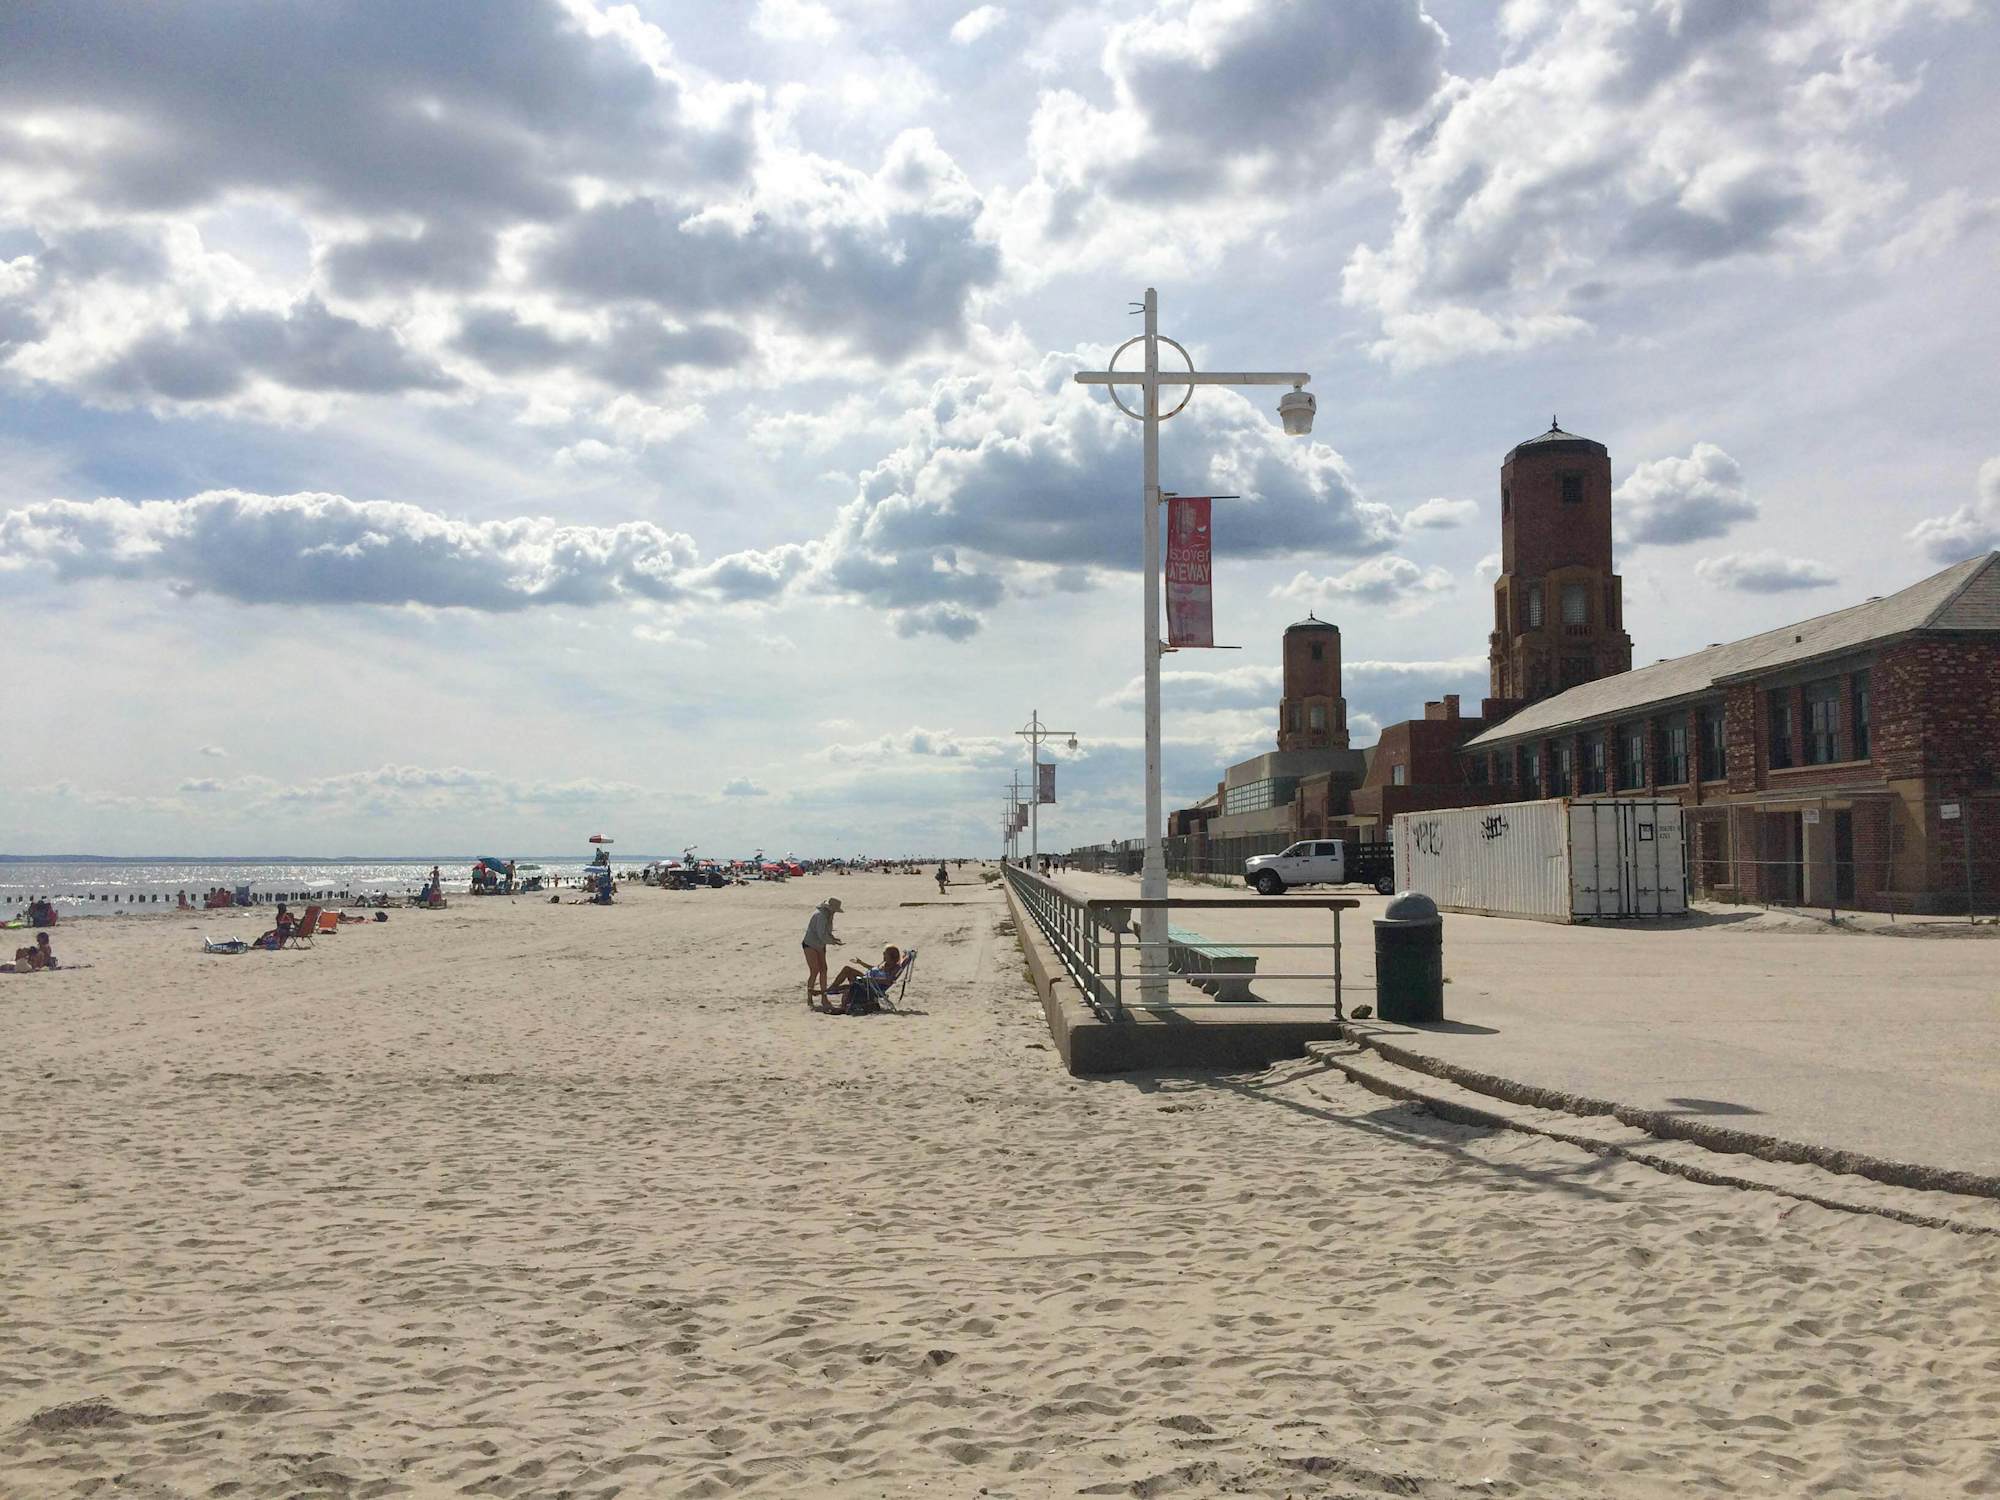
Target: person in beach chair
x=281 y=933
x=864 y=992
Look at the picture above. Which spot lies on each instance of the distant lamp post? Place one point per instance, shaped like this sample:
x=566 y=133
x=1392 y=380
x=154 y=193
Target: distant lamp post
x=1295 y=409
x=1035 y=732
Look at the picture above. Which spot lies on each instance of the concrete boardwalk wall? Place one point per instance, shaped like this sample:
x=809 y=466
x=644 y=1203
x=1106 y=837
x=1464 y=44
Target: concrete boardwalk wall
x=1888 y=1046
x=1237 y=1038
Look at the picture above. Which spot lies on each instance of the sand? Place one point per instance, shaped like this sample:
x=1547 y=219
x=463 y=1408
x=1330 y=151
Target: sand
x=516 y=1199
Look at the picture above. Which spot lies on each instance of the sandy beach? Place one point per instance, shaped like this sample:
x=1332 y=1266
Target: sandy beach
x=523 y=1200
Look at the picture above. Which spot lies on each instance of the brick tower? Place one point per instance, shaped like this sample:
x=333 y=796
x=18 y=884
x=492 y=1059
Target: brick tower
x=1558 y=610
x=1312 y=715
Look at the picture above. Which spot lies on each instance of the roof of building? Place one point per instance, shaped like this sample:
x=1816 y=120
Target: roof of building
x=1556 y=436
x=1965 y=596
x=1310 y=622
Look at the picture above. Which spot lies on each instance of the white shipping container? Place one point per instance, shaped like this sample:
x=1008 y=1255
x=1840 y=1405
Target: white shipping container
x=1557 y=860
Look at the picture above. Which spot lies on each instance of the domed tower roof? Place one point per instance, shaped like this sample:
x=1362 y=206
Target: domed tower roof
x=1555 y=440
x=1310 y=622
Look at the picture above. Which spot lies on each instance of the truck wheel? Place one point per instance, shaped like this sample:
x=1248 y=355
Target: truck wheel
x=1268 y=884
x=1385 y=885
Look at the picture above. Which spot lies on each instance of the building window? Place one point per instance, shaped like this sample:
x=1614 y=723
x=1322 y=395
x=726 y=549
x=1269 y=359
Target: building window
x=1292 y=718
x=1318 y=650
x=1534 y=606
x=1255 y=796
x=1631 y=757
x=1575 y=670
x=1572 y=489
x=1562 y=762
x=1529 y=770
x=1506 y=502
x=1482 y=769
x=1593 y=764
x=1673 y=768
x=1781 y=727
x=1861 y=751
x=1316 y=716
x=1576 y=604
x=1399 y=776
x=1822 y=722
x=1714 y=758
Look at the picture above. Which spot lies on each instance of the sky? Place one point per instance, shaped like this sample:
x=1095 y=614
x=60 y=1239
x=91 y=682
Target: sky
x=482 y=425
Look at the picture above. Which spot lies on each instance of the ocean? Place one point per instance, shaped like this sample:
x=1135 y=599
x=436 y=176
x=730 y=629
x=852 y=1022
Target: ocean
x=99 y=887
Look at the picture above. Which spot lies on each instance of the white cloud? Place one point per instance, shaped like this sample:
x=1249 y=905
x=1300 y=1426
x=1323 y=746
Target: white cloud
x=1438 y=514
x=327 y=549
x=794 y=21
x=1487 y=568
x=743 y=786
x=1764 y=572
x=1674 y=500
x=976 y=23
x=1238 y=106
x=1386 y=581
x=215 y=752
x=1621 y=145
x=1969 y=529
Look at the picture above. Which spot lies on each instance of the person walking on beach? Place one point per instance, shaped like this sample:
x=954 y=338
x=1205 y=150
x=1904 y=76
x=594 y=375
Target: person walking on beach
x=819 y=934
x=943 y=877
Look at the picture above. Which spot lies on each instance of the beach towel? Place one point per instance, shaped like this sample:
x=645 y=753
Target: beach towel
x=227 y=945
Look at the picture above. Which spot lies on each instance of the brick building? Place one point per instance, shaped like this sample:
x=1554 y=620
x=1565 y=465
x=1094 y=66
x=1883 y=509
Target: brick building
x=1558 y=608
x=1312 y=715
x=1416 y=765
x=1844 y=760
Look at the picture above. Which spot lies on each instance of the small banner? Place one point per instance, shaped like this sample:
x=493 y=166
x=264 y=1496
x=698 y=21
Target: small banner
x=1020 y=816
x=1047 y=791
x=1190 y=596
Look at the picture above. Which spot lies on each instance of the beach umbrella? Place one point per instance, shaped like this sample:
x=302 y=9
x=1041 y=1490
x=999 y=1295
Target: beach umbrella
x=598 y=838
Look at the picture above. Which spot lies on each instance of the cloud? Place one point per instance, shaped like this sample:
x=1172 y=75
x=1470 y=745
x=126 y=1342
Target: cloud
x=327 y=549
x=794 y=21
x=1024 y=470
x=532 y=200
x=306 y=348
x=1969 y=529
x=1438 y=514
x=976 y=23
x=884 y=263
x=1674 y=500
x=1487 y=568
x=1763 y=572
x=1378 y=581
x=1238 y=102
x=1619 y=146
x=951 y=621
x=215 y=752
x=743 y=786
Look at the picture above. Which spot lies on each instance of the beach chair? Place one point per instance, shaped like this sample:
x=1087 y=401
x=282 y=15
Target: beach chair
x=301 y=935
x=872 y=990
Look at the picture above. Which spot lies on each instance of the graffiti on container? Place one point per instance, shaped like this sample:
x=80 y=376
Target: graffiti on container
x=1494 y=827
x=1428 y=834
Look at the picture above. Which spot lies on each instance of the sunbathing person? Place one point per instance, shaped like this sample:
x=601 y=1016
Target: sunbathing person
x=884 y=976
x=277 y=936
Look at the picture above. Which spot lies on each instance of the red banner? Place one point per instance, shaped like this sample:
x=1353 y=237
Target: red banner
x=1047 y=790
x=1190 y=595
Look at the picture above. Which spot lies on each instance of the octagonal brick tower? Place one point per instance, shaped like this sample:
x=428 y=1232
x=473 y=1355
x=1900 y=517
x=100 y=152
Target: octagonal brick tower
x=1312 y=715
x=1558 y=608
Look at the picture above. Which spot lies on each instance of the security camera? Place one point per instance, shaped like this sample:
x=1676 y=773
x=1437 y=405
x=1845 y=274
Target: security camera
x=1295 y=410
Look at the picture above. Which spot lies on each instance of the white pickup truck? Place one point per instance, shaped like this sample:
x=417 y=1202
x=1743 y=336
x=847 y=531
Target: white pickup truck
x=1322 y=862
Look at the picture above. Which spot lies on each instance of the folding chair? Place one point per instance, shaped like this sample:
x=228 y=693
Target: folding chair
x=876 y=987
x=301 y=935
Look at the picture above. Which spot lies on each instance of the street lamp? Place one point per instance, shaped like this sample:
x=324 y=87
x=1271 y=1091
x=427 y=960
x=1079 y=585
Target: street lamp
x=1034 y=734
x=1295 y=409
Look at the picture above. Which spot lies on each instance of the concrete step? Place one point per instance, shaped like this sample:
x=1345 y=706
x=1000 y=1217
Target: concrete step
x=1604 y=1134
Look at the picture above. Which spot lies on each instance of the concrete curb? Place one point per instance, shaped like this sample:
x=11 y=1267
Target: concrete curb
x=1672 y=1127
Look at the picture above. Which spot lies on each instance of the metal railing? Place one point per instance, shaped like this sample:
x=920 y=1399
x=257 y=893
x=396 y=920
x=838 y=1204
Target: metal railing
x=1093 y=936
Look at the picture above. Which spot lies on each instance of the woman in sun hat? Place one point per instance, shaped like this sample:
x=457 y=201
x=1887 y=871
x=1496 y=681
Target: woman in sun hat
x=819 y=934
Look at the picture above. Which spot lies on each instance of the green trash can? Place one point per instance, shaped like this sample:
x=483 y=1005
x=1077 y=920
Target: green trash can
x=1409 y=961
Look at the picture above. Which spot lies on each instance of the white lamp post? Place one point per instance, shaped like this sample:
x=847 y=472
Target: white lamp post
x=1295 y=409
x=1034 y=734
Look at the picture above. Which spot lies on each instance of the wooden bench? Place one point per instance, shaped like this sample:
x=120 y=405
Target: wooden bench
x=1224 y=971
